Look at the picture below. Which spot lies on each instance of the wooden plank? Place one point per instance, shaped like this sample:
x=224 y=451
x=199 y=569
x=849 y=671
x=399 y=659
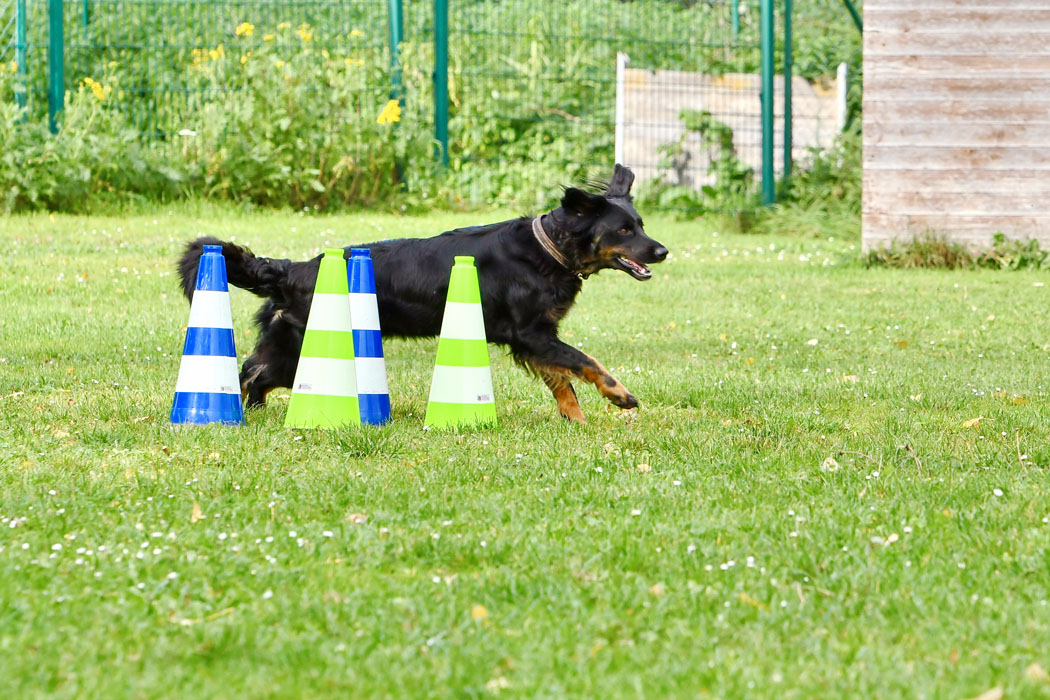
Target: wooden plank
x=938 y=111
x=898 y=222
x=956 y=157
x=957 y=203
x=978 y=232
x=956 y=119
x=1018 y=43
x=984 y=67
x=958 y=181
x=956 y=19
x=928 y=7
x=957 y=87
x=1035 y=135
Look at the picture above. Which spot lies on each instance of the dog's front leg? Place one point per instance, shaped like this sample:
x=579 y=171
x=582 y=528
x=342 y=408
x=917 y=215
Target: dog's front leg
x=558 y=381
x=556 y=357
x=609 y=386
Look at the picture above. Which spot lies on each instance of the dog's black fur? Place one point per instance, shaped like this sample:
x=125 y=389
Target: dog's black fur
x=525 y=292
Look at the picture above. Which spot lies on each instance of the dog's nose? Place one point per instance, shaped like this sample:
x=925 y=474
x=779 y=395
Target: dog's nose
x=660 y=253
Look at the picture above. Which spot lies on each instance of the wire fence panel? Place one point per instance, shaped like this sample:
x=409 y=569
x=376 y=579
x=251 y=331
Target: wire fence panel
x=8 y=18
x=168 y=58
x=540 y=93
x=535 y=84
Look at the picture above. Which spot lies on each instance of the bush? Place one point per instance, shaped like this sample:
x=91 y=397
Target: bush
x=94 y=158
x=934 y=252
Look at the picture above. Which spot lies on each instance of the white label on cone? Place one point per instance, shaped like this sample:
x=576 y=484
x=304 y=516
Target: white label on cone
x=210 y=374
x=471 y=385
x=210 y=309
x=463 y=321
x=329 y=312
x=364 y=311
x=325 y=375
x=371 y=375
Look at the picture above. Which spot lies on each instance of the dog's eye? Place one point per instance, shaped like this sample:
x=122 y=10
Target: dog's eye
x=624 y=232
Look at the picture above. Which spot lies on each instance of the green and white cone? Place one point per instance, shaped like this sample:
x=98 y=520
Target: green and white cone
x=324 y=393
x=461 y=393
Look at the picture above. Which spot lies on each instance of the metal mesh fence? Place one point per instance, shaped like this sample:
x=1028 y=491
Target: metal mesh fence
x=163 y=53
x=535 y=84
x=559 y=89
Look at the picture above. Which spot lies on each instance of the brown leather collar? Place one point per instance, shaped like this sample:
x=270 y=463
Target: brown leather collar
x=548 y=245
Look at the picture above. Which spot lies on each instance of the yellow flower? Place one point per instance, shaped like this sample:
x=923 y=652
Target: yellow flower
x=355 y=33
x=304 y=32
x=244 y=58
x=283 y=26
x=280 y=64
x=14 y=66
x=217 y=53
x=391 y=113
x=101 y=91
x=112 y=64
x=244 y=29
x=268 y=37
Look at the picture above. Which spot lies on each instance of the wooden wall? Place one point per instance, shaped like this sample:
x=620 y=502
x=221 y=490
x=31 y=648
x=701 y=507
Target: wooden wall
x=956 y=120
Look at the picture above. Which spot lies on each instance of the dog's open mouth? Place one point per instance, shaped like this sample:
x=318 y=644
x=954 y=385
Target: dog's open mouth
x=636 y=269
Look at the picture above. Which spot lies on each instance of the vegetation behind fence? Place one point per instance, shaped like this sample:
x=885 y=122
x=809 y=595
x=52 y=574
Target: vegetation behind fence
x=288 y=102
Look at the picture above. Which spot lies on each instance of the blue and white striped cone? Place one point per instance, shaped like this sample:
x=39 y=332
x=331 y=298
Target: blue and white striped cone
x=372 y=391
x=208 y=389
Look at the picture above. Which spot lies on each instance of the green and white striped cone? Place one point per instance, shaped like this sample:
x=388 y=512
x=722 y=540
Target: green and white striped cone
x=461 y=393
x=324 y=393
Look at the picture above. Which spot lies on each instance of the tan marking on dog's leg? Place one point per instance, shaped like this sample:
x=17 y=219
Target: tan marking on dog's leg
x=609 y=386
x=557 y=380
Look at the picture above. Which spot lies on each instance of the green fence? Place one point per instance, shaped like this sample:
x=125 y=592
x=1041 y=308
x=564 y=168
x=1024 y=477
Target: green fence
x=536 y=83
x=530 y=87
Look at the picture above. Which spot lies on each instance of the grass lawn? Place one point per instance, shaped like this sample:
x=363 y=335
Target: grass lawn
x=835 y=486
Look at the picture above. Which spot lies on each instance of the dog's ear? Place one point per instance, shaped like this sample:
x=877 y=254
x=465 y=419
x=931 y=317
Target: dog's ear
x=620 y=185
x=581 y=203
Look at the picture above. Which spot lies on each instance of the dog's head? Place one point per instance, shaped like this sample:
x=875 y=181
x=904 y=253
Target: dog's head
x=606 y=229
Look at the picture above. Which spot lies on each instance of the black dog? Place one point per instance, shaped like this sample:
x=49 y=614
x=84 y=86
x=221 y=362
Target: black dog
x=530 y=271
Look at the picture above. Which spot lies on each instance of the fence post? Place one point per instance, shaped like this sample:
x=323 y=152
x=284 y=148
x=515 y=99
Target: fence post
x=56 y=66
x=86 y=12
x=441 y=78
x=768 y=186
x=734 y=17
x=21 y=57
x=855 y=15
x=789 y=61
x=397 y=33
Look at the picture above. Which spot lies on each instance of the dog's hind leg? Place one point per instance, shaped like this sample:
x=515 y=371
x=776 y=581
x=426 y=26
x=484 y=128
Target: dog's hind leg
x=557 y=380
x=262 y=373
x=276 y=355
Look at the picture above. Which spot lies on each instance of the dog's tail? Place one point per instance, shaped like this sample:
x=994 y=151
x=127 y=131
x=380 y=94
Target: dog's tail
x=261 y=276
